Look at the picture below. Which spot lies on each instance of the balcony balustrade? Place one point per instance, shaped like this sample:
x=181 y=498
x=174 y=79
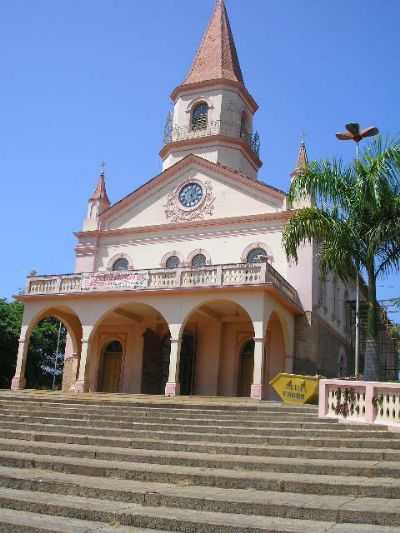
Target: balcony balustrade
x=228 y=275
x=215 y=127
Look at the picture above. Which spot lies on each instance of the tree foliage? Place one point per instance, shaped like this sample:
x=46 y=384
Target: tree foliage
x=354 y=217
x=41 y=352
x=10 y=324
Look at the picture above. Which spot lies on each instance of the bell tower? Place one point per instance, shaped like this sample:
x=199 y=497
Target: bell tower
x=213 y=112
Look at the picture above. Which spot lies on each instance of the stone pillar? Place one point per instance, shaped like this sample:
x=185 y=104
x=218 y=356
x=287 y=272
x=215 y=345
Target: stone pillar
x=82 y=383
x=71 y=364
x=19 y=381
x=289 y=363
x=257 y=388
x=172 y=388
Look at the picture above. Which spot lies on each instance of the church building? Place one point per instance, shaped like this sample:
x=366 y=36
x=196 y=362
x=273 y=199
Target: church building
x=183 y=285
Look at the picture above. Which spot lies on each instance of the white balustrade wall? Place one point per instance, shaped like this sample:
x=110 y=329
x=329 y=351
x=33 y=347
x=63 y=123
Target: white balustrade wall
x=370 y=402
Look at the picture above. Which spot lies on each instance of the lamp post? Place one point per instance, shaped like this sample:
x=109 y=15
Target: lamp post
x=354 y=133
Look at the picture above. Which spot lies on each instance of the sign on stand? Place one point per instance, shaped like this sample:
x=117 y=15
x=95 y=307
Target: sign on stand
x=294 y=388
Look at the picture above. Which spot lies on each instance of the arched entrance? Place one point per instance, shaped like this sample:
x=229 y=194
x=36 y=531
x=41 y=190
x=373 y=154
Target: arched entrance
x=246 y=362
x=45 y=362
x=111 y=367
x=130 y=350
x=49 y=348
x=213 y=336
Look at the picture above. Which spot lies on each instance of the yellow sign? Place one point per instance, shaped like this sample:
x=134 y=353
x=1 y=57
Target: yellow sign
x=293 y=388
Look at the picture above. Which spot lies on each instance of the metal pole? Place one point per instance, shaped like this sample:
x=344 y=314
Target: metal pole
x=56 y=356
x=357 y=341
x=357 y=344
x=354 y=133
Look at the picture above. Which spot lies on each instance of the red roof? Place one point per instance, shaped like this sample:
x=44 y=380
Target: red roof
x=100 y=192
x=216 y=57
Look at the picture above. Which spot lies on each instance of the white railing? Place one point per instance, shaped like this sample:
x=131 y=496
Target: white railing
x=370 y=402
x=214 y=127
x=238 y=274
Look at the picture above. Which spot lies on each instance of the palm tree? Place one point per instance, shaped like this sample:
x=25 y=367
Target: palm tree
x=354 y=215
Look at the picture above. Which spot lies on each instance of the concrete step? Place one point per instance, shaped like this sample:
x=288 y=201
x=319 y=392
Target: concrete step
x=356 y=485
x=169 y=519
x=195 y=441
x=191 y=418
x=190 y=464
x=338 y=509
x=148 y=402
x=326 y=452
x=153 y=412
x=239 y=426
x=24 y=522
x=326 y=466
x=185 y=430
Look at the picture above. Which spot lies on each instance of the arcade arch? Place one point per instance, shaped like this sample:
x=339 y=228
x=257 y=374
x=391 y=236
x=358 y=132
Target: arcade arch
x=26 y=374
x=140 y=364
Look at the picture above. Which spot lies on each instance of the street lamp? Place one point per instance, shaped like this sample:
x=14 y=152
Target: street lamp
x=354 y=133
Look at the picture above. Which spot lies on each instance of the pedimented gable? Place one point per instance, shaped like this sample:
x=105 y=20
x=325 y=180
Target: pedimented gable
x=192 y=190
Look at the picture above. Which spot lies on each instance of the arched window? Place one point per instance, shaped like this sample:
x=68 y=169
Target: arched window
x=120 y=264
x=257 y=255
x=200 y=116
x=199 y=260
x=172 y=262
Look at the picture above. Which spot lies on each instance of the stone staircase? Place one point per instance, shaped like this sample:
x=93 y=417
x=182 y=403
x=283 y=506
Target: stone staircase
x=92 y=463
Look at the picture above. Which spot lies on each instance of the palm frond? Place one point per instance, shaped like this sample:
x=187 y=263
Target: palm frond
x=333 y=235
x=328 y=181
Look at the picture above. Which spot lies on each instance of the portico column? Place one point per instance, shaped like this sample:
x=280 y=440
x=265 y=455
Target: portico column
x=172 y=388
x=82 y=384
x=257 y=388
x=289 y=360
x=19 y=381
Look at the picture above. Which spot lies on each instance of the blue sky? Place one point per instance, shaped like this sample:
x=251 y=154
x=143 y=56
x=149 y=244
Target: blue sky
x=89 y=80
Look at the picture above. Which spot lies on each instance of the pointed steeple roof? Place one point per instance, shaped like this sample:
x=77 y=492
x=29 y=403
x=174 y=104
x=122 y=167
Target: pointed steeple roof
x=302 y=159
x=216 y=57
x=100 y=193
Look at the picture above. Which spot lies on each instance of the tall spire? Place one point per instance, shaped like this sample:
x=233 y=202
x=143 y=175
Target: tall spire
x=216 y=57
x=302 y=159
x=100 y=193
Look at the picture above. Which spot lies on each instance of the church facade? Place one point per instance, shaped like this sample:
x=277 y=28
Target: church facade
x=183 y=286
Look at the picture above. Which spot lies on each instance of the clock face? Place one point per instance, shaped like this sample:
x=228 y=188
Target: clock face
x=190 y=195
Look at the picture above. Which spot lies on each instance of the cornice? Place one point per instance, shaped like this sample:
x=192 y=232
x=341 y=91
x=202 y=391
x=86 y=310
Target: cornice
x=280 y=216
x=216 y=84
x=265 y=287
x=219 y=139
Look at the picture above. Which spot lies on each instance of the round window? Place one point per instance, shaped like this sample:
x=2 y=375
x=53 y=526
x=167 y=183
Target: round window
x=199 y=260
x=121 y=264
x=172 y=262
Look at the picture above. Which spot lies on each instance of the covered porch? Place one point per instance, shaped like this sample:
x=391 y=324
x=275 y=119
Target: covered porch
x=203 y=338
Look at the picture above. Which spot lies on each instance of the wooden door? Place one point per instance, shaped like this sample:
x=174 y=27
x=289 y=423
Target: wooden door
x=111 y=368
x=246 y=369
